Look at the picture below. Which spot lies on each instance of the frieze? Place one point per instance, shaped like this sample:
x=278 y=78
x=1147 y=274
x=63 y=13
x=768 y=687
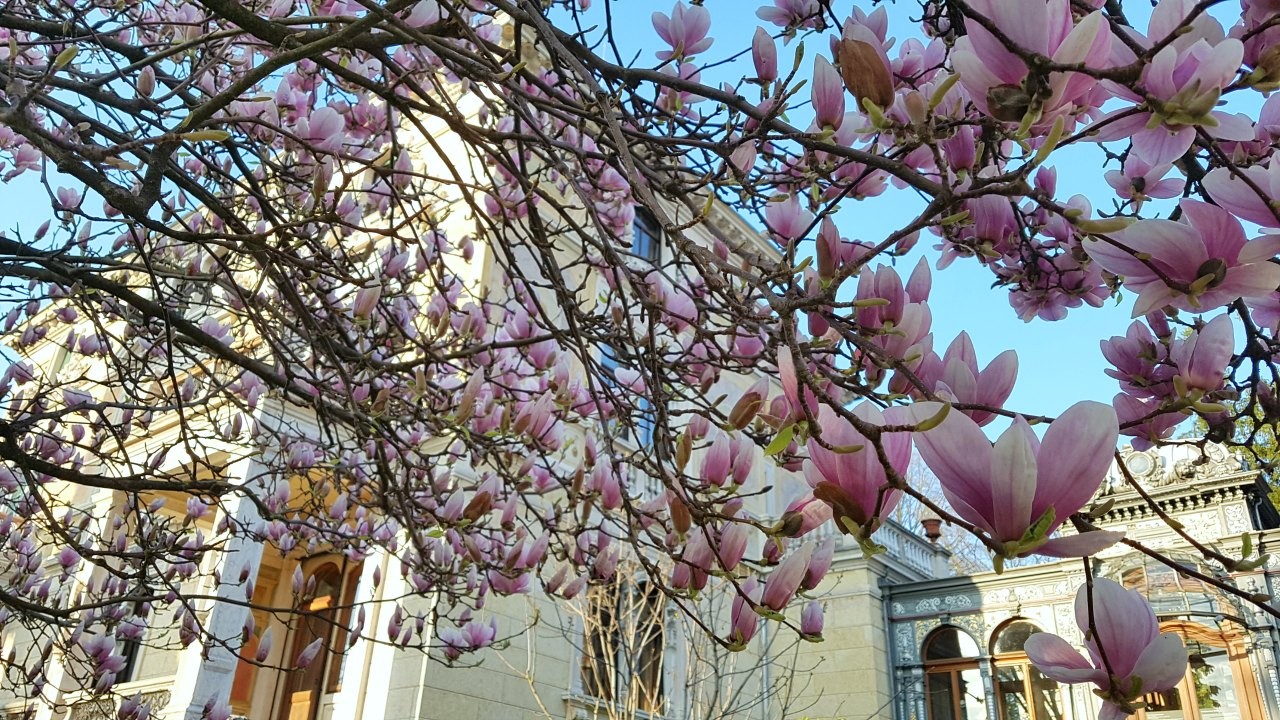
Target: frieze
x=1065 y=615
x=1013 y=595
x=1237 y=519
x=908 y=648
x=944 y=604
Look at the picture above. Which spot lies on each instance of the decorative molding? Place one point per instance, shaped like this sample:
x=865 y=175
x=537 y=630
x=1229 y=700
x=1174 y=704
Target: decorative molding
x=944 y=604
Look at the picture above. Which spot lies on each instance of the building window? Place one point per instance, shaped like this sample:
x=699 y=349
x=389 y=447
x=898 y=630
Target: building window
x=624 y=638
x=1022 y=693
x=639 y=427
x=953 y=681
x=646 y=236
x=1219 y=681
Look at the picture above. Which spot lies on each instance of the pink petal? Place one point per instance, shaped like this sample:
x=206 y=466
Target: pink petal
x=1124 y=621
x=1160 y=145
x=959 y=454
x=1219 y=231
x=1082 y=545
x=1013 y=482
x=1152 y=297
x=1074 y=457
x=1258 y=279
x=1237 y=196
x=1056 y=659
x=1162 y=664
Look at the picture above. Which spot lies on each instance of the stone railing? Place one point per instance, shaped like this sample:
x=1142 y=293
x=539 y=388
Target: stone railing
x=155 y=694
x=912 y=553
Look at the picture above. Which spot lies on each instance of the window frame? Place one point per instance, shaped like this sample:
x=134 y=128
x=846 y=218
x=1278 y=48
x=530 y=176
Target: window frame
x=1018 y=659
x=953 y=668
x=628 y=638
x=646 y=236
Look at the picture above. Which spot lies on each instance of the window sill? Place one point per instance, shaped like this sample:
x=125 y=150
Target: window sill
x=586 y=707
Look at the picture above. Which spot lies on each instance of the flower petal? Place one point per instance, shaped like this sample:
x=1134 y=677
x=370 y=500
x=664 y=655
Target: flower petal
x=1082 y=545
x=1162 y=664
x=959 y=454
x=1056 y=659
x=1074 y=457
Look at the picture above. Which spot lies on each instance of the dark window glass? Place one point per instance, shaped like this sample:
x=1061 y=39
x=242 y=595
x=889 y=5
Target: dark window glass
x=948 y=643
x=646 y=236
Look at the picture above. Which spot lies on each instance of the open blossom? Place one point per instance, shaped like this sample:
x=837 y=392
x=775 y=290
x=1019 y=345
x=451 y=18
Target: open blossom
x=1203 y=356
x=1206 y=257
x=1008 y=489
x=1138 y=360
x=793 y=13
x=999 y=82
x=787 y=219
x=685 y=30
x=849 y=476
x=956 y=377
x=1182 y=85
x=1123 y=636
x=1139 y=181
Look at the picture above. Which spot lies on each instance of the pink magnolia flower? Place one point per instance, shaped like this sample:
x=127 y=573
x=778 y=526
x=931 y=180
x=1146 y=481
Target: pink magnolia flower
x=1138 y=362
x=424 y=14
x=1237 y=194
x=744 y=618
x=827 y=93
x=764 y=55
x=849 y=477
x=1206 y=257
x=323 y=130
x=1139 y=181
x=309 y=653
x=1139 y=659
x=685 y=30
x=793 y=13
x=1009 y=489
x=956 y=377
x=802 y=516
x=998 y=80
x=811 y=620
x=1203 y=356
x=1182 y=84
x=784 y=581
x=900 y=326
x=786 y=219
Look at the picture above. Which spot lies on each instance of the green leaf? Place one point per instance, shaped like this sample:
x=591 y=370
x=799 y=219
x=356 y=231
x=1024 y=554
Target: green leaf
x=206 y=135
x=65 y=57
x=781 y=440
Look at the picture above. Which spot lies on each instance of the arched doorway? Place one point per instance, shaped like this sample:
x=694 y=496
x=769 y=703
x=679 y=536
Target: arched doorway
x=1218 y=684
x=953 y=680
x=1022 y=693
x=322 y=613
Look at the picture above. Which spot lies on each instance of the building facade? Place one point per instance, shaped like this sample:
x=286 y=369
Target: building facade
x=956 y=642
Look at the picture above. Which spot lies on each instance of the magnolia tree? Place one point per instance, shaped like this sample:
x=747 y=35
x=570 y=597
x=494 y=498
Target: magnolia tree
x=384 y=247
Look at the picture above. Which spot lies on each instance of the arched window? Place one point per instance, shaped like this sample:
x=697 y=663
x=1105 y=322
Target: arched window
x=953 y=682
x=1022 y=693
x=1218 y=684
